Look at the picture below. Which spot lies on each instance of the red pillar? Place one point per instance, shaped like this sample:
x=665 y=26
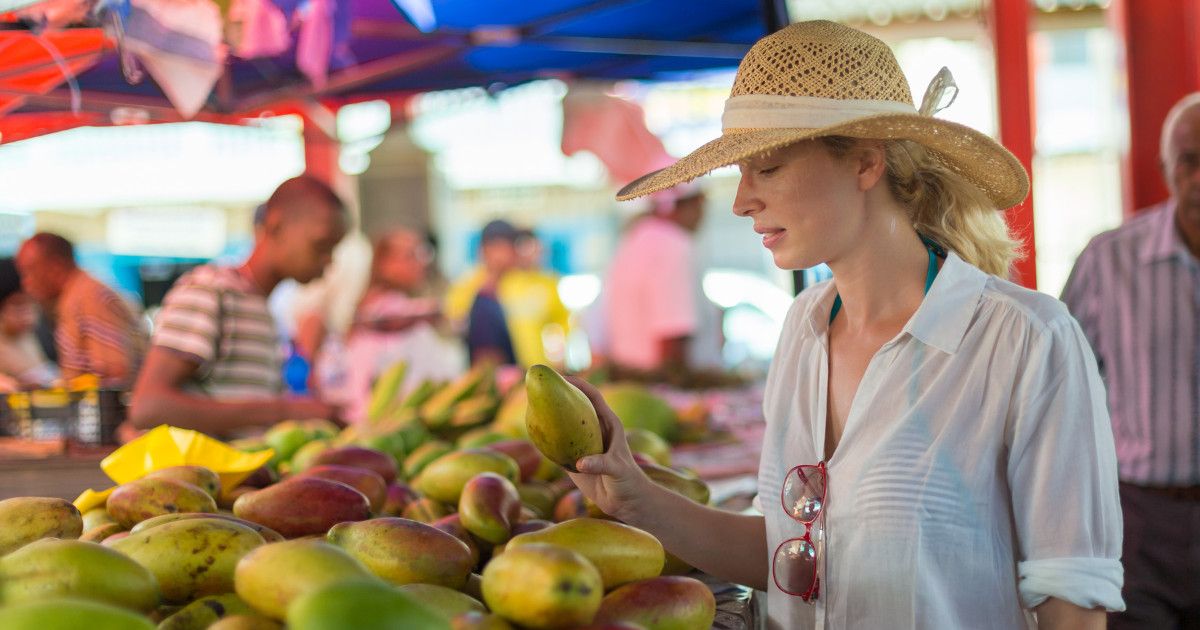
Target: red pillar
x=1158 y=43
x=1009 y=22
x=321 y=146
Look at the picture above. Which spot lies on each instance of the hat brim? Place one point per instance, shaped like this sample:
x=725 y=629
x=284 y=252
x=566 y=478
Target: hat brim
x=974 y=155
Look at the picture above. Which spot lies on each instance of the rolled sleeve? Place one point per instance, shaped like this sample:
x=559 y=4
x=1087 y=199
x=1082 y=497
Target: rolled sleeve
x=1063 y=475
x=1085 y=582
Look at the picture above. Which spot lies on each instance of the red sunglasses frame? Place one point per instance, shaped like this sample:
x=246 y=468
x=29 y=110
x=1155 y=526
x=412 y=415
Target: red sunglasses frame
x=809 y=596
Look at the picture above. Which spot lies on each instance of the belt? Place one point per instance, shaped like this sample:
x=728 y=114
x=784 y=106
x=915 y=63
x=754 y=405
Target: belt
x=1177 y=493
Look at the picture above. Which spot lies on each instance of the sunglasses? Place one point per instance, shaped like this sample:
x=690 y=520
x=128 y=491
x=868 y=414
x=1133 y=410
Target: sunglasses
x=796 y=565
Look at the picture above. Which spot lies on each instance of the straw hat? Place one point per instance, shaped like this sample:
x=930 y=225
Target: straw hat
x=820 y=78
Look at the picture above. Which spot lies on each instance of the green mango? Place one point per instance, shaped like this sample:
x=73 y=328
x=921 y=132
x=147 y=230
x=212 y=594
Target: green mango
x=638 y=408
x=70 y=613
x=26 y=519
x=271 y=576
x=206 y=611
x=444 y=478
x=621 y=553
x=52 y=567
x=420 y=457
x=191 y=558
x=361 y=605
x=96 y=517
x=560 y=419
x=542 y=586
x=444 y=601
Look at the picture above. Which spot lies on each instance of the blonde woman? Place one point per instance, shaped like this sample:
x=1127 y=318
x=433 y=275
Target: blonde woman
x=938 y=452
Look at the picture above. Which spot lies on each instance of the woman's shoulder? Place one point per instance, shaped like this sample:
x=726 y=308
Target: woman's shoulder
x=1023 y=306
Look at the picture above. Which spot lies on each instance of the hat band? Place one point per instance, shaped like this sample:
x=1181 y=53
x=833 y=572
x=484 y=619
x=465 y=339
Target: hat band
x=749 y=111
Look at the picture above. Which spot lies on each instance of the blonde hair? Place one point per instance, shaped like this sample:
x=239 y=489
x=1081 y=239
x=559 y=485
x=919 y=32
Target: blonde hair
x=942 y=205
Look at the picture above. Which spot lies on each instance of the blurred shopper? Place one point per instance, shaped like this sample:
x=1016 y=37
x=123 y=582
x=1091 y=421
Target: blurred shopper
x=473 y=302
x=22 y=362
x=95 y=330
x=537 y=318
x=396 y=320
x=938 y=435
x=1134 y=291
x=214 y=362
x=653 y=298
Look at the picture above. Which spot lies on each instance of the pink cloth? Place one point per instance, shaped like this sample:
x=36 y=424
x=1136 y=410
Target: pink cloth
x=651 y=292
x=264 y=29
x=614 y=129
x=314 y=43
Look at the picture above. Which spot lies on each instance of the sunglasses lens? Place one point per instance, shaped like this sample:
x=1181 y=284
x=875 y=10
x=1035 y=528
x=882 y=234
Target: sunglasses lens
x=795 y=566
x=803 y=492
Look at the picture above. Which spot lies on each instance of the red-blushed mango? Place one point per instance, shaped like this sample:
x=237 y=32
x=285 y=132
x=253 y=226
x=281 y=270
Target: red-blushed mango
x=366 y=481
x=399 y=495
x=476 y=620
x=303 y=507
x=199 y=476
x=133 y=502
x=528 y=458
x=406 y=552
x=663 y=603
x=359 y=457
x=452 y=524
x=489 y=507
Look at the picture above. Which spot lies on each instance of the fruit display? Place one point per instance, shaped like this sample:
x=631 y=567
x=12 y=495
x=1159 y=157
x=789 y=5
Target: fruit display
x=442 y=512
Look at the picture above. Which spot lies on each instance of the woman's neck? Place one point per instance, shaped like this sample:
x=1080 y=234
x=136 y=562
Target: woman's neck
x=881 y=279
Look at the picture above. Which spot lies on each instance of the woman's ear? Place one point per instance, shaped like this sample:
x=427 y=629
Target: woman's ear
x=872 y=164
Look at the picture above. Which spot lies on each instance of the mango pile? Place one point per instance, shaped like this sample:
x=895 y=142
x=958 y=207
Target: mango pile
x=442 y=513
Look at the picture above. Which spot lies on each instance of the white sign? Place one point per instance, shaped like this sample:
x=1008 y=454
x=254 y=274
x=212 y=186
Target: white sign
x=177 y=231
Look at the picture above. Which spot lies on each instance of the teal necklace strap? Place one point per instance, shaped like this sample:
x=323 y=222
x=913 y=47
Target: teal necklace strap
x=935 y=251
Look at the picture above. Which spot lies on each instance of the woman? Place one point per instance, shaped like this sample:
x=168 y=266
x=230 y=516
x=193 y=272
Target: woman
x=937 y=453
x=22 y=362
x=395 y=321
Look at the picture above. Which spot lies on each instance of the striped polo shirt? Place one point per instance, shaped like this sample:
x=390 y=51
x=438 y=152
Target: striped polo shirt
x=97 y=332
x=217 y=318
x=1134 y=291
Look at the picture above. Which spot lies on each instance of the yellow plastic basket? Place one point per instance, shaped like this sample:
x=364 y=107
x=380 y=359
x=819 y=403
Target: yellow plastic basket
x=165 y=446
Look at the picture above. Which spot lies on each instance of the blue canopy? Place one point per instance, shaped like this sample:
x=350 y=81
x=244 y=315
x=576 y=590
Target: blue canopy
x=491 y=43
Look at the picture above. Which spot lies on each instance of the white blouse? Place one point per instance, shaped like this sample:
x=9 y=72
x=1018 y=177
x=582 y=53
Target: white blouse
x=976 y=475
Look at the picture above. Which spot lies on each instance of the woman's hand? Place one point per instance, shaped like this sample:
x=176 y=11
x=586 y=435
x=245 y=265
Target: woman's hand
x=612 y=480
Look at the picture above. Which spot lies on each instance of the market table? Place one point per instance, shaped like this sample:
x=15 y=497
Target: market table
x=47 y=469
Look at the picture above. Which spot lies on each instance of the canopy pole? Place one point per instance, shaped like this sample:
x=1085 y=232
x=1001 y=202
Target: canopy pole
x=1158 y=43
x=1009 y=24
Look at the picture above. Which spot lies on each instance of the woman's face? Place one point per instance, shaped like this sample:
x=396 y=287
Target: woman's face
x=17 y=314
x=804 y=202
x=406 y=262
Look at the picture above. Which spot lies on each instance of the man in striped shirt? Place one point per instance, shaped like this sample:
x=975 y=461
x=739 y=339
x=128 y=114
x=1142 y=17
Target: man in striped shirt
x=214 y=360
x=1135 y=292
x=95 y=330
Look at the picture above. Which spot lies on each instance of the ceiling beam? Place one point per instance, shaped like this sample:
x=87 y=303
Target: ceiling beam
x=353 y=77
